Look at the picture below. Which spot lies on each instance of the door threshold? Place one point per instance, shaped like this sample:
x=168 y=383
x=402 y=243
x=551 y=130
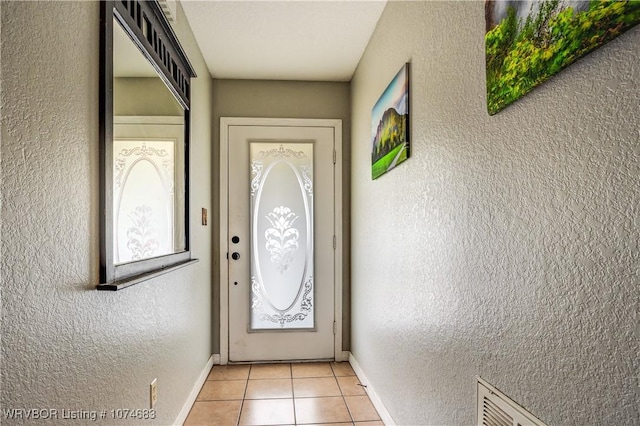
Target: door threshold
x=291 y=361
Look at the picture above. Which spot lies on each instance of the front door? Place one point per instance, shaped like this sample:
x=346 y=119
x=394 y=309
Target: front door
x=280 y=241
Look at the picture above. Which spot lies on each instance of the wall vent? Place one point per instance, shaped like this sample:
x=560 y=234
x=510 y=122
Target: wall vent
x=169 y=8
x=497 y=409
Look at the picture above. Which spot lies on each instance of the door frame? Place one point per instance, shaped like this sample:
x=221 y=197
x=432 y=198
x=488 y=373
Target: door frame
x=225 y=123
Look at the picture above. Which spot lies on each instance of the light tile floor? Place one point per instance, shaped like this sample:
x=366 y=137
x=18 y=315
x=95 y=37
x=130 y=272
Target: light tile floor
x=283 y=394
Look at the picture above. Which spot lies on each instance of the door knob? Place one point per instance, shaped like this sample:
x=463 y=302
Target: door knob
x=235 y=256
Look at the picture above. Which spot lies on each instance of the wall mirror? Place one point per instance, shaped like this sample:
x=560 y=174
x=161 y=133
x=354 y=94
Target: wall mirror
x=144 y=87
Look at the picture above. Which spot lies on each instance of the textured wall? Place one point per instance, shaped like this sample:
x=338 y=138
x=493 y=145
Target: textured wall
x=289 y=99
x=507 y=246
x=64 y=344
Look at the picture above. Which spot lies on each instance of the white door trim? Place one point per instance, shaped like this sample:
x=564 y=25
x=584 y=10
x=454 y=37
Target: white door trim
x=225 y=123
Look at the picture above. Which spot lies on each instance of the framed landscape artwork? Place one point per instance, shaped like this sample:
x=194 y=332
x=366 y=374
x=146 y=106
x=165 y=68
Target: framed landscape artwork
x=390 y=125
x=527 y=42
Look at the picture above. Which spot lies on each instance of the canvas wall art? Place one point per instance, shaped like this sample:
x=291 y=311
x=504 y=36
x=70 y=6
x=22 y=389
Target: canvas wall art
x=390 y=125
x=527 y=42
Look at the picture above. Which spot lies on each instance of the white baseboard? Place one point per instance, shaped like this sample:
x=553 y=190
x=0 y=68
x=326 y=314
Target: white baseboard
x=216 y=359
x=343 y=356
x=373 y=396
x=182 y=417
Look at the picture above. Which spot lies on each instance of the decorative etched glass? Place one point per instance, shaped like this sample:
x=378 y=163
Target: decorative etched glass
x=282 y=288
x=144 y=201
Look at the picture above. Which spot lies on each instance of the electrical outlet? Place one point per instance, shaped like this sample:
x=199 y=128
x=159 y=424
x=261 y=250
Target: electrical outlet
x=153 y=393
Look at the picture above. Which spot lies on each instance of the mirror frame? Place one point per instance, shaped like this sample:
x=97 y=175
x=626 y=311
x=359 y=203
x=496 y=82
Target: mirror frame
x=149 y=30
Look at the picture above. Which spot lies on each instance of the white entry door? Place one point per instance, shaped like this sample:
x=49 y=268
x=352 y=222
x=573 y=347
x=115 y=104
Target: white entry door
x=280 y=238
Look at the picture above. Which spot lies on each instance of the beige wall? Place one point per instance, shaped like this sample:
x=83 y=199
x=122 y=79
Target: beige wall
x=287 y=99
x=64 y=344
x=506 y=246
x=143 y=96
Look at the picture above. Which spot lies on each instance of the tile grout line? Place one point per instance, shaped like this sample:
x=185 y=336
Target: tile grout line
x=293 y=396
x=244 y=395
x=353 y=422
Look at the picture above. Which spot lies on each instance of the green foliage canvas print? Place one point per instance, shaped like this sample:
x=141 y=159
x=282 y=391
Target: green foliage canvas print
x=527 y=42
x=390 y=125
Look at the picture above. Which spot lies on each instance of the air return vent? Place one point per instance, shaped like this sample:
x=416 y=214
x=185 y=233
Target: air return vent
x=169 y=7
x=497 y=409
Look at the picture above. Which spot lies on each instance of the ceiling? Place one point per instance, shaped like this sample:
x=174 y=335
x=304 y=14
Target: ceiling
x=313 y=40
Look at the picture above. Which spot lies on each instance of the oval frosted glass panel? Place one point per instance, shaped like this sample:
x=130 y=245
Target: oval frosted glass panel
x=282 y=286
x=144 y=203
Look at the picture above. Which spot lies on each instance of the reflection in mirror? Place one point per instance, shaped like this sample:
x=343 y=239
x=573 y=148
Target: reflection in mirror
x=148 y=158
